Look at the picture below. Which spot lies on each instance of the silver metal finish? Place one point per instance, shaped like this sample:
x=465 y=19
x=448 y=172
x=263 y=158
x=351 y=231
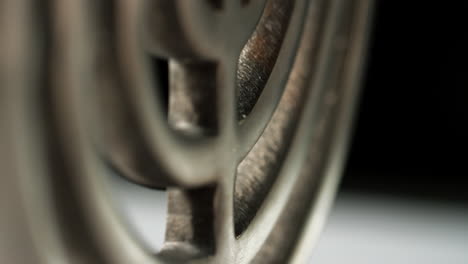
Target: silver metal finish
x=249 y=143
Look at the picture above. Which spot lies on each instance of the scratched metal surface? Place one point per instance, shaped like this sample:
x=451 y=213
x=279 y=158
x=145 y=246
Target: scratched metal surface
x=249 y=143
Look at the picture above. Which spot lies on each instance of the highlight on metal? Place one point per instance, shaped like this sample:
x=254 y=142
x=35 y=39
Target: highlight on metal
x=239 y=109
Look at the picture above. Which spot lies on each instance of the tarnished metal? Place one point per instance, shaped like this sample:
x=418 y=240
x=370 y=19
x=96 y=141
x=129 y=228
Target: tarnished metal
x=249 y=142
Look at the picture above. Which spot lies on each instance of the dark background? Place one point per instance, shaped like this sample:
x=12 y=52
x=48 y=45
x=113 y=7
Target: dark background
x=411 y=135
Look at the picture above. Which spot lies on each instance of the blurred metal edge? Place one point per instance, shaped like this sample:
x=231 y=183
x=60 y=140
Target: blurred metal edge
x=320 y=208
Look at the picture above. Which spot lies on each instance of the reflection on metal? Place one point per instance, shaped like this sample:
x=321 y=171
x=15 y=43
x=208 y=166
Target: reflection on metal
x=249 y=142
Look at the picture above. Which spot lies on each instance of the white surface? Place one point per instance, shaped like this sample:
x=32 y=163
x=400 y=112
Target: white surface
x=370 y=229
x=144 y=209
x=361 y=229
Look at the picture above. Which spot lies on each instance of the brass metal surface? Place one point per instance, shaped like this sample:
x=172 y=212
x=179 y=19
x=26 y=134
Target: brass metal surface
x=246 y=128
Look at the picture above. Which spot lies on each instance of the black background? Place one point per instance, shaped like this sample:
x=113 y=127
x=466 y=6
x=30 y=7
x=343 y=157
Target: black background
x=411 y=134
